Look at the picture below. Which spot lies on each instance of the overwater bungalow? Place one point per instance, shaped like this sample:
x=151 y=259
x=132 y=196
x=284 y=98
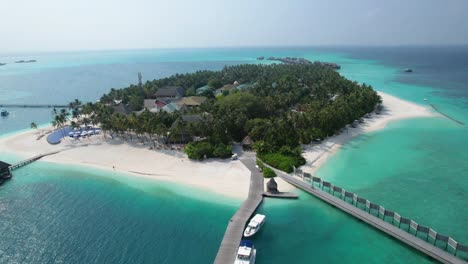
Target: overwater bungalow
x=5 y=170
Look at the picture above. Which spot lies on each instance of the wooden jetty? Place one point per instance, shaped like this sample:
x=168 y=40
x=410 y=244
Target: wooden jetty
x=377 y=222
x=447 y=116
x=33 y=106
x=30 y=160
x=233 y=235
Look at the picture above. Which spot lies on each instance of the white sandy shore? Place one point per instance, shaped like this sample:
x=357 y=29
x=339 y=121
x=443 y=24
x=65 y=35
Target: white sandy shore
x=394 y=109
x=226 y=177
x=229 y=178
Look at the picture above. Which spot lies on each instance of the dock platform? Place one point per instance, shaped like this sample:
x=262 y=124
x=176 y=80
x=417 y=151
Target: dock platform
x=283 y=195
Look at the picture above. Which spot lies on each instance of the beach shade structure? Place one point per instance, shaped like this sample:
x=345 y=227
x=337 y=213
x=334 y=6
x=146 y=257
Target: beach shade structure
x=272 y=186
x=247 y=142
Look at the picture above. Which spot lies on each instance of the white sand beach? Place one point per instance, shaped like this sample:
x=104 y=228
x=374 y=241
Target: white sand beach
x=394 y=109
x=226 y=177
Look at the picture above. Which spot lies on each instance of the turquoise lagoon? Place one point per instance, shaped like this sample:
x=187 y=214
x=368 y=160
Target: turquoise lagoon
x=55 y=213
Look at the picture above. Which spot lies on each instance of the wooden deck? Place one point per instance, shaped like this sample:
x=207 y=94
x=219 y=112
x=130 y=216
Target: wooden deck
x=388 y=228
x=233 y=235
x=30 y=160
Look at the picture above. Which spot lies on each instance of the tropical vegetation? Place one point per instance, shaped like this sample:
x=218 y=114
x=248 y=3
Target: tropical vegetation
x=285 y=106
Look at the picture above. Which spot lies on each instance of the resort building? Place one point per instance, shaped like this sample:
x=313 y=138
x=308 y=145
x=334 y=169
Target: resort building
x=192 y=101
x=154 y=105
x=122 y=109
x=169 y=92
x=173 y=107
x=247 y=143
x=227 y=87
x=182 y=124
x=203 y=89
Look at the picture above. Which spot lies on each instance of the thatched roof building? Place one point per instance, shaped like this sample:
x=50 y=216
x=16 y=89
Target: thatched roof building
x=170 y=92
x=4 y=170
x=272 y=186
x=247 y=142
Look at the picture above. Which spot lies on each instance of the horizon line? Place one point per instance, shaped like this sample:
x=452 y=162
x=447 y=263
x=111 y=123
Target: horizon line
x=240 y=47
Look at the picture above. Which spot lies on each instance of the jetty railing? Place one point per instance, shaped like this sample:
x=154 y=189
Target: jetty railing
x=30 y=160
x=424 y=233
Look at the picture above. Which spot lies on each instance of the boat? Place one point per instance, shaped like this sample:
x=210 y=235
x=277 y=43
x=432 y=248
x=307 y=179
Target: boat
x=254 y=225
x=4 y=113
x=408 y=70
x=246 y=253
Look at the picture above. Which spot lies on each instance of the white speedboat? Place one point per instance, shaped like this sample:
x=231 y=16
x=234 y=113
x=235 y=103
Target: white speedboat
x=254 y=225
x=246 y=253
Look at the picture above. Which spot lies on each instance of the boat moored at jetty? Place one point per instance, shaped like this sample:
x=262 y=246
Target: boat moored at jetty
x=246 y=253
x=254 y=225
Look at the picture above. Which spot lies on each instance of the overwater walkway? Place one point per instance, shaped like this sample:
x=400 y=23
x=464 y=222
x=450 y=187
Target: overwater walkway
x=30 y=160
x=377 y=222
x=33 y=106
x=233 y=235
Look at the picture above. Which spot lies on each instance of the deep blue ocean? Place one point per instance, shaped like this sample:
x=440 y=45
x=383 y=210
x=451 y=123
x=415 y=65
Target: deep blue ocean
x=61 y=214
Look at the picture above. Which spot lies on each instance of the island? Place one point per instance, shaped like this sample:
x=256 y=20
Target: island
x=25 y=61
x=294 y=60
x=273 y=109
x=2 y=64
x=183 y=128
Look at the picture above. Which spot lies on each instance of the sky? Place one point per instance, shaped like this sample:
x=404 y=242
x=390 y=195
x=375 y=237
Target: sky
x=58 y=25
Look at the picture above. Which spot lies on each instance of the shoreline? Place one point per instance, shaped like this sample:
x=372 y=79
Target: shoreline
x=224 y=177
x=394 y=109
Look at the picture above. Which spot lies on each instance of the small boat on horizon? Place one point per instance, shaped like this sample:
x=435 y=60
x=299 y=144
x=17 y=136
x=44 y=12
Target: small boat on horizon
x=4 y=113
x=408 y=70
x=254 y=225
x=246 y=253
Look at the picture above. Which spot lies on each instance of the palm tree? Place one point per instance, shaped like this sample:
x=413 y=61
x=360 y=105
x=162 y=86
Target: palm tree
x=33 y=125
